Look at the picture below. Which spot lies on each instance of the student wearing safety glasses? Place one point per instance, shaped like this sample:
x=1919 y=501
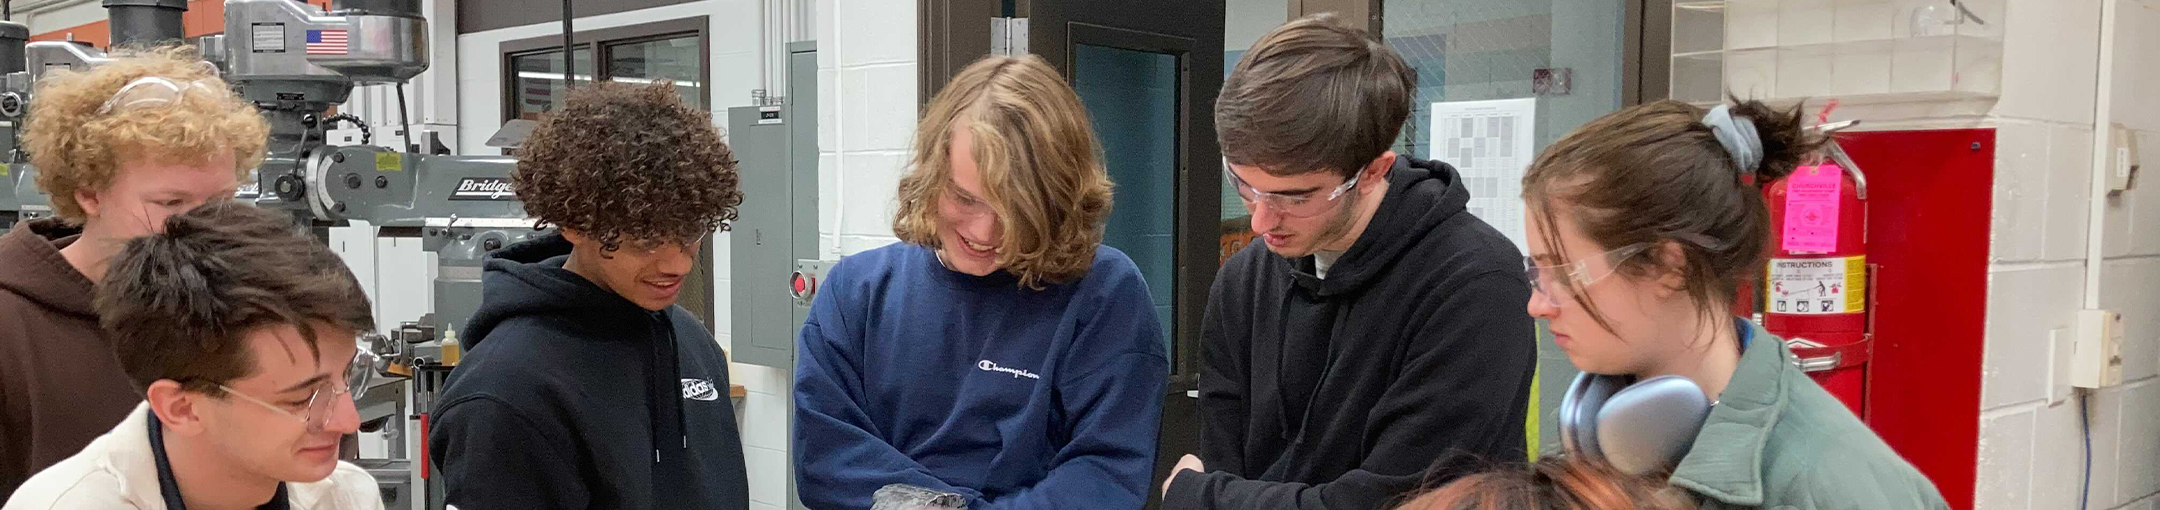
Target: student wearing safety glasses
x=583 y=385
x=121 y=147
x=244 y=336
x=1377 y=326
x=1643 y=226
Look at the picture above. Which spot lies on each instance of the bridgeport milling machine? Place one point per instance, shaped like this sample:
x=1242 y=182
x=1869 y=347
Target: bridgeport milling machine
x=284 y=56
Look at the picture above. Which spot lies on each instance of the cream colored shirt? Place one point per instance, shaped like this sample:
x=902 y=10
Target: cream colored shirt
x=118 y=471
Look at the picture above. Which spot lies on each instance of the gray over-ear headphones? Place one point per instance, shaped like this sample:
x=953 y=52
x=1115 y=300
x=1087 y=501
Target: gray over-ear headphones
x=1639 y=428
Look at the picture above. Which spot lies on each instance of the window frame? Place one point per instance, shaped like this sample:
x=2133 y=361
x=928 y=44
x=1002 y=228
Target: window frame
x=700 y=292
x=600 y=43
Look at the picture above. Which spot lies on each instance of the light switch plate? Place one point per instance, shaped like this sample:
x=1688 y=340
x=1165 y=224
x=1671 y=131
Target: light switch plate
x=2097 y=360
x=2123 y=162
x=2062 y=348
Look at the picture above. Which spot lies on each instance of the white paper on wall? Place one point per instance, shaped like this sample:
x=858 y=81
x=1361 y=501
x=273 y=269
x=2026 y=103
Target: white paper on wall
x=1491 y=143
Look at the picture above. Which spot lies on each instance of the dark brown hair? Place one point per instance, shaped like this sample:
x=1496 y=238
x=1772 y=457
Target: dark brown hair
x=1655 y=174
x=1042 y=170
x=621 y=162
x=179 y=305
x=1313 y=95
x=1554 y=483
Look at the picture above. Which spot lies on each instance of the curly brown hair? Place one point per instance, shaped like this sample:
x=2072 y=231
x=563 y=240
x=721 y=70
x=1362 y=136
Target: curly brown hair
x=621 y=162
x=1042 y=170
x=74 y=147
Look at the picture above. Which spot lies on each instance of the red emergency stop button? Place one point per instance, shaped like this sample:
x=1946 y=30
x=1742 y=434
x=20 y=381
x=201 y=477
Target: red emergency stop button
x=801 y=285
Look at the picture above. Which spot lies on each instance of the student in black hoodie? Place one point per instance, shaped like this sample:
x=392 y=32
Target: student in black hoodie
x=1375 y=339
x=583 y=386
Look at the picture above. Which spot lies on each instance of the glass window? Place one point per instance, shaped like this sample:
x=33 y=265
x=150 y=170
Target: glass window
x=1475 y=50
x=1137 y=91
x=674 y=59
x=539 y=86
x=1467 y=50
x=1244 y=21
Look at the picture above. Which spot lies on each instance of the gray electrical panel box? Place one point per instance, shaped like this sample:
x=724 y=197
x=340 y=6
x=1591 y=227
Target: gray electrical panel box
x=776 y=150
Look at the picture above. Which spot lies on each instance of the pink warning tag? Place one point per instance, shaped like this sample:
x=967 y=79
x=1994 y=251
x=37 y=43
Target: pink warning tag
x=1811 y=209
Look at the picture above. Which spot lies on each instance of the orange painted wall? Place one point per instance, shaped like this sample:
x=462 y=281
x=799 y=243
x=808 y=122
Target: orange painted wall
x=203 y=17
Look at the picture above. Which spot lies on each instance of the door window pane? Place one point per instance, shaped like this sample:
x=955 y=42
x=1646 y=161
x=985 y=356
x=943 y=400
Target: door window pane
x=674 y=59
x=539 y=84
x=1244 y=21
x=1467 y=50
x=1132 y=100
x=1471 y=50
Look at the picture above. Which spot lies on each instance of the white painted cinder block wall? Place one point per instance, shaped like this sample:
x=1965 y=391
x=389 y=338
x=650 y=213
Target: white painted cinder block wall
x=2031 y=451
x=866 y=117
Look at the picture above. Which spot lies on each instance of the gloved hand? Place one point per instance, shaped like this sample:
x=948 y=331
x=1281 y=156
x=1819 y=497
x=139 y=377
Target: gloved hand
x=902 y=496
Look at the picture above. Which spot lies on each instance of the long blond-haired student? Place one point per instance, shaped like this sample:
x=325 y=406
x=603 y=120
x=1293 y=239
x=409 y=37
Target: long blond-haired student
x=999 y=354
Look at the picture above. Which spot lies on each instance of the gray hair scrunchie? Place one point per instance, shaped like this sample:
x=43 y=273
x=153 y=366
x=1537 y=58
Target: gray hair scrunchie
x=1738 y=136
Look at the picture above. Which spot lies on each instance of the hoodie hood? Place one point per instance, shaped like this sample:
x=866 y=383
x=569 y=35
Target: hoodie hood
x=1421 y=195
x=37 y=272
x=528 y=278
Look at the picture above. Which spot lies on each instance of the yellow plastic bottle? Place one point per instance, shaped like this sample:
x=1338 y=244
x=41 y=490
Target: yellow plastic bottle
x=450 y=348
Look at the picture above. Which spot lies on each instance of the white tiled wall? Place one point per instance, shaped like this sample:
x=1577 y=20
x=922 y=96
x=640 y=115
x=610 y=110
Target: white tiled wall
x=2032 y=443
x=866 y=86
x=866 y=117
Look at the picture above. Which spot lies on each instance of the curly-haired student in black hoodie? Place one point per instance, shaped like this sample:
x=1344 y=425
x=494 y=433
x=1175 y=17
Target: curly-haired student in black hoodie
x=584 y=386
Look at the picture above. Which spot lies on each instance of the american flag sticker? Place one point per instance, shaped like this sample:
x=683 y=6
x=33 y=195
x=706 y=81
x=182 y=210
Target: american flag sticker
x=327 y=42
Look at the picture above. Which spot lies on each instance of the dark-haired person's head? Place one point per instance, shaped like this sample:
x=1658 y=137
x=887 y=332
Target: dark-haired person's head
x=636 y=179
x=1643 y=223
x=1554 y=483
x=1305 y=121
x=242 y=333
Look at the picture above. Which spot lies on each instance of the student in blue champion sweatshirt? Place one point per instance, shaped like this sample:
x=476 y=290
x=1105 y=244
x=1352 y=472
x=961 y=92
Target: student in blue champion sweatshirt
x=998 y=353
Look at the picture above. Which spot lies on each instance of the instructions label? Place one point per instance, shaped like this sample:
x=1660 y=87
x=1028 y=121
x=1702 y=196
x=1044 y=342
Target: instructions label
x=1818 y=286
x=1811 y=208
x=389 y=162
x=267 y=37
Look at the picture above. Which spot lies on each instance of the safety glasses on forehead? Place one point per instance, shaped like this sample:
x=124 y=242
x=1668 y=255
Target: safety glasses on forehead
x=153 y=91
x=351 y=382
x=1299 y=205
x=1545 y=280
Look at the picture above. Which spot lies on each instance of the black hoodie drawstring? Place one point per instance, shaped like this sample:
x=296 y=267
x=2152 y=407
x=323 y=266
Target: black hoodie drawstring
x=663 y=364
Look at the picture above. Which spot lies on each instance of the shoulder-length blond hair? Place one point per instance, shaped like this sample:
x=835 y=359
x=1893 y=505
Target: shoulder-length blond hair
x=1041 y=167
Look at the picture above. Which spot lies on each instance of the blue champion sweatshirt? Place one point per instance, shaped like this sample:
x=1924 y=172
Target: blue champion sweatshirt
x=912 y=373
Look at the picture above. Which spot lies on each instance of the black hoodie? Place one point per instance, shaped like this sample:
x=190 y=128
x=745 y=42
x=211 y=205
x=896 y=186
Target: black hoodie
x=570 y=396
x=1410 y=362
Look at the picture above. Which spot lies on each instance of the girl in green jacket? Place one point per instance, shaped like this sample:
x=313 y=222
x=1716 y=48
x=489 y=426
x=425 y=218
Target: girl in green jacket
x=1642 y=225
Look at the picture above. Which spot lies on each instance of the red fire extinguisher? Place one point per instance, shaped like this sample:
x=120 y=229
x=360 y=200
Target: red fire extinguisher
x=1817 y=279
